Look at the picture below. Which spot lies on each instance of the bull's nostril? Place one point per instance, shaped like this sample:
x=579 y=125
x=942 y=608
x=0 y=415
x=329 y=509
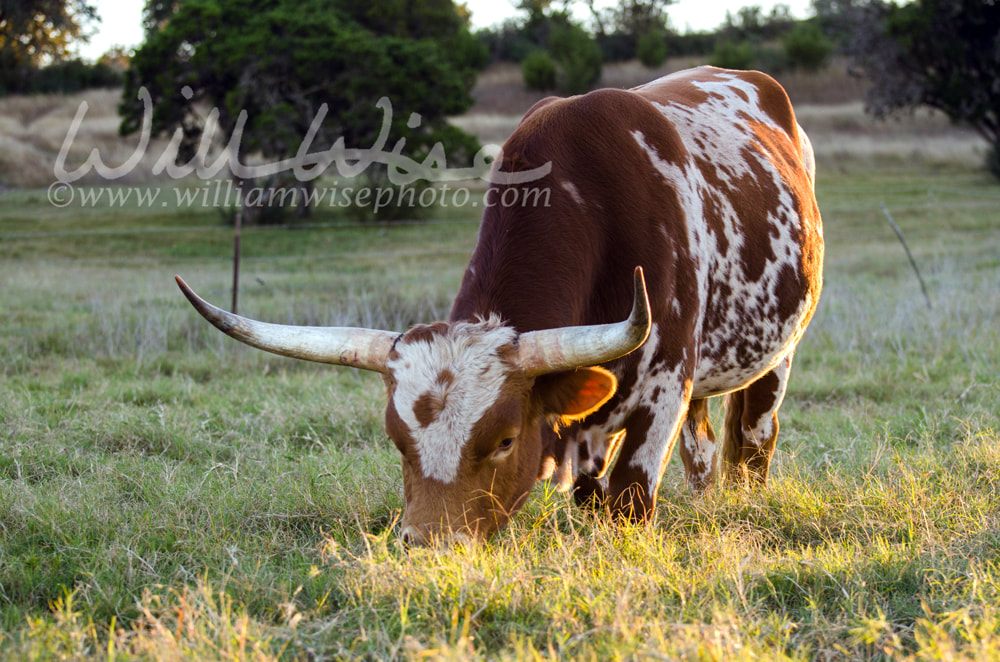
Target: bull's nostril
x=411 y=537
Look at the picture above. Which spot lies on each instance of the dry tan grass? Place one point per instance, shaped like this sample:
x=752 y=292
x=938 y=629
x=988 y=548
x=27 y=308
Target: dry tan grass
x=21 y=163
x=33 y=129
x=833 y=86
x=490 y=128
x=828 y=106
x=500 y=89
x=843 y=136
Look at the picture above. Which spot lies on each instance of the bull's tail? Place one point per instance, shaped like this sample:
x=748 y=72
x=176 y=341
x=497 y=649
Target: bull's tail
x=732 y=438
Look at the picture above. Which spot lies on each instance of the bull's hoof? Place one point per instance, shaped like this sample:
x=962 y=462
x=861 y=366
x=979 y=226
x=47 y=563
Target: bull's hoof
x=588 y=493
x=633 y=505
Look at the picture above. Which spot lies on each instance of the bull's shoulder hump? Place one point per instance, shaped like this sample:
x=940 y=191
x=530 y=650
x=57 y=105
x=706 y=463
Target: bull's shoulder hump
x=541 y=103
x=593 y=123
x=615 y=106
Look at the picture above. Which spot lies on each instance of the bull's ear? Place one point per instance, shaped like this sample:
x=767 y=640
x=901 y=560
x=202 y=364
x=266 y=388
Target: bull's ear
x=573 y=395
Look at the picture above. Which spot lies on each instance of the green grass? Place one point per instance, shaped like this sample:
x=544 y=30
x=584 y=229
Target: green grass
x=166 y=493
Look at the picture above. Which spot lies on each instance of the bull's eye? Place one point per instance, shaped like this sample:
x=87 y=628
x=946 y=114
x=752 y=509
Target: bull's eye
x=503 y=448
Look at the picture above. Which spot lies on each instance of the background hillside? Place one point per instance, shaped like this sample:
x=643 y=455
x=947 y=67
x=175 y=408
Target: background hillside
x=828 y=103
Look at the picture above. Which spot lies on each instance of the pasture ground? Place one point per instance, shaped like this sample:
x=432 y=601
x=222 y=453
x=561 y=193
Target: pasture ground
x=166 y=493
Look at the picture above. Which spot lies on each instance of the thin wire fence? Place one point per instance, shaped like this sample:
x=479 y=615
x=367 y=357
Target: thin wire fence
x=373 y=225
x=838 y=227
x=970 y=199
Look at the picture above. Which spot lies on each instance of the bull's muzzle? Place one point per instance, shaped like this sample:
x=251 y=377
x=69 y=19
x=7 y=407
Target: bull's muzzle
x=414 y=536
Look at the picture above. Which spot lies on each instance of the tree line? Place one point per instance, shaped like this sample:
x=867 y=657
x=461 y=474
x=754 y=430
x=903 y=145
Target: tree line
x=557 y=52
x=36 y=37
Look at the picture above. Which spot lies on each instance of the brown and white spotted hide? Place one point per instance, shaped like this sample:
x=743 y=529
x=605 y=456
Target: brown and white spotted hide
x=704 y=178
x=468 y=423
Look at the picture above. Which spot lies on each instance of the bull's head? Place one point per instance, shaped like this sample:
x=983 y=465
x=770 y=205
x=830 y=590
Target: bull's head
x=467 y=401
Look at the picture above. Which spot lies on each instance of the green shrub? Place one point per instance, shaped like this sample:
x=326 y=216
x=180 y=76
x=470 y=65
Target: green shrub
x=616 y=47
x=993 y=159
x=651 y=48
x=733 y=55
x=770 y=60
x=579 y=56
x=507 y=42
x=64 y=77
x=539 y=71
x=471 y=50
x=806 y=47
x=691 y=43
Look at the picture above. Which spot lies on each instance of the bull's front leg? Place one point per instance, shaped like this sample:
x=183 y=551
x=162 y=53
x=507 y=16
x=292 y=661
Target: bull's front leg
x=589 y=492
x=596 y=450
x=573 y=458
x=651 y=431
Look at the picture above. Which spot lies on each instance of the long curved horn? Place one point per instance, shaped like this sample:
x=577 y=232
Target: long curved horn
x=552 y=350
x=359 y=348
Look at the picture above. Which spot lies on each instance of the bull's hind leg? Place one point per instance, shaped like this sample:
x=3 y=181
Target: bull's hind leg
x=697 y=447
x=752 y=426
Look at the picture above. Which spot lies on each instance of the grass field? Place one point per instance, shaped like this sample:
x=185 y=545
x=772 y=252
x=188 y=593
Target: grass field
x=166 y=493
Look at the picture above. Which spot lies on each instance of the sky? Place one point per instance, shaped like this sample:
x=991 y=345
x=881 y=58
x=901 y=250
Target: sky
x=121 y=20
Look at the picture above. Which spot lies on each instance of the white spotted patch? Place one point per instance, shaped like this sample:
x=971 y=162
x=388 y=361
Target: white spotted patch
x=573 y=191
x=549 y=465
x=744 y=328
x=723 y=157
x=470 y=352
x=597 y=438
x=665 y=394
x=808 y=157
x=597 y=442
x=715 y=133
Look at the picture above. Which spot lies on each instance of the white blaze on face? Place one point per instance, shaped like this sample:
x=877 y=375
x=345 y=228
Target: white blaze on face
x=469 y=355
